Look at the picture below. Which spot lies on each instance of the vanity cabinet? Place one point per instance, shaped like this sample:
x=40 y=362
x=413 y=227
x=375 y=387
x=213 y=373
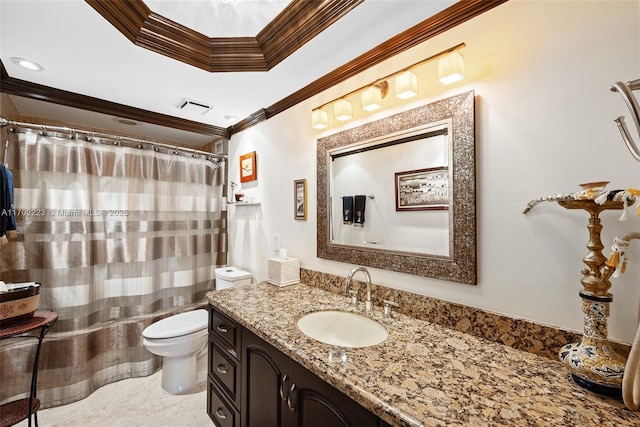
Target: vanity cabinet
x=224 y=374
x=261 y=386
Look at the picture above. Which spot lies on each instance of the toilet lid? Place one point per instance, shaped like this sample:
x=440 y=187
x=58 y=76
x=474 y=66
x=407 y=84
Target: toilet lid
x=177 y=325
x=231 y=274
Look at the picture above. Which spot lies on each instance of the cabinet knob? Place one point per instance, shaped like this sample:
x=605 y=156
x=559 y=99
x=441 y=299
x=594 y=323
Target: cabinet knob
x=222 y=368
x=222 y=329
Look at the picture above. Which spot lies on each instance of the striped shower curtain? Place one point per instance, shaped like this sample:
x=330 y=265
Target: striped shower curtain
x=119 y=237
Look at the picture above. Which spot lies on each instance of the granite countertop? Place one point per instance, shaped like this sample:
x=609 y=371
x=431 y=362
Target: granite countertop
x=423 y=374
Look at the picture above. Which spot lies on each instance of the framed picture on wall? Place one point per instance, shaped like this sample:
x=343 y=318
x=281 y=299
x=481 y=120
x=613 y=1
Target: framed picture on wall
x=422 y=189
x=300 y=199
x=248 y=167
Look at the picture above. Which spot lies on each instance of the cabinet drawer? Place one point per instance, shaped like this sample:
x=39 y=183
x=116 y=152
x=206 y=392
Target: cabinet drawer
x=221 y=412
x=227 y=331
x=224 y=370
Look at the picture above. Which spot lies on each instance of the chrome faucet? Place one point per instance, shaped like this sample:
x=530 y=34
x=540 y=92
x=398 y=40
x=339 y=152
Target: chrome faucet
x=368 y=305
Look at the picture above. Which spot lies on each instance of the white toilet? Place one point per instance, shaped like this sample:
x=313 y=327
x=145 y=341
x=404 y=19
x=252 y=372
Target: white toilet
x=182 y=341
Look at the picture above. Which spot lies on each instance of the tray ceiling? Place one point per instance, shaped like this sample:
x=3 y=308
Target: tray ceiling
x=140 y=60
x=295 y=25
x=221 y=18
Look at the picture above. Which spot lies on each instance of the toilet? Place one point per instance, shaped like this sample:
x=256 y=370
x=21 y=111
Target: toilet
x=228 y=277
x=181 y=340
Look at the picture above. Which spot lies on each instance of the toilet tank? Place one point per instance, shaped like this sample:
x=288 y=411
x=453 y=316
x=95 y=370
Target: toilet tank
x=227 y=277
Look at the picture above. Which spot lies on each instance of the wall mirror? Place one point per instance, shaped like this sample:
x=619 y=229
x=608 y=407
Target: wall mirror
x=399 y=193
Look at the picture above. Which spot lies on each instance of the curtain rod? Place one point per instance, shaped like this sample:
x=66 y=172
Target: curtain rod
x=115 y=139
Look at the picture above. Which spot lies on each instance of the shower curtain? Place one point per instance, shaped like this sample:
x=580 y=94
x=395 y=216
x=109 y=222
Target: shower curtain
x=118 y=237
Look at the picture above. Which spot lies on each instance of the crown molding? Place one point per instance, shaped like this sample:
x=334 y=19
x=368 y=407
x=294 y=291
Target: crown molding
x=40 y=92
x=299 y=22
x=249 y=121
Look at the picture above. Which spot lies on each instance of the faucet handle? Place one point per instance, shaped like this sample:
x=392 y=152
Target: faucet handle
x=387 y=307
x=354 y=297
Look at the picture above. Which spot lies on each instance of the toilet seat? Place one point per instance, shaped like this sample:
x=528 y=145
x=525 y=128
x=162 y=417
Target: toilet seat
x=181 y=340
x=178 y=325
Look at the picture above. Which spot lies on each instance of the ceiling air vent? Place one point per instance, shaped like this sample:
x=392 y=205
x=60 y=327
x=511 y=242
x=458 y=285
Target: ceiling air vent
x=194 y=107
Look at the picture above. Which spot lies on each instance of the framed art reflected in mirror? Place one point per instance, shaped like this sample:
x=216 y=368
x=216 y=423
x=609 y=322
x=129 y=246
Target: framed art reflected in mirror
x=422 y=189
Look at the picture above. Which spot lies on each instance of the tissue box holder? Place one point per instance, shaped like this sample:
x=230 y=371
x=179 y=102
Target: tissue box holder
x=283 y=271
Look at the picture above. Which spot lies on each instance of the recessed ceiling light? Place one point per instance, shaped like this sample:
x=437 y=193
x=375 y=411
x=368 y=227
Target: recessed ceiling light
x=231 y=119
x=26 y=64
x=125 y=121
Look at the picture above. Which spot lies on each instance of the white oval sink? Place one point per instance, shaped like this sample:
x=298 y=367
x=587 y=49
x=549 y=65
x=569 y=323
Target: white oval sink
x=342 y=328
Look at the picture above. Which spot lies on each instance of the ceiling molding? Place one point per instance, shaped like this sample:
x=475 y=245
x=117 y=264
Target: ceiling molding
x=40 y=92
x=3 y=71
x=245 y=123
x=299 y=22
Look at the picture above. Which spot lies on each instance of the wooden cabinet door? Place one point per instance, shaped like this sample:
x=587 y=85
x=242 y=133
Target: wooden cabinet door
x=315 y=403
x=265 y=383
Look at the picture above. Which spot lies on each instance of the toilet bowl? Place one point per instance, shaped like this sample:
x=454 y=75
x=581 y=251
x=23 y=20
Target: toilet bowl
x=181 y=340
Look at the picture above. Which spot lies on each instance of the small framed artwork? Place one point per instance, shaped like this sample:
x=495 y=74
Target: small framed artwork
x=300 y=199
x=422 y=189
x=248 y=167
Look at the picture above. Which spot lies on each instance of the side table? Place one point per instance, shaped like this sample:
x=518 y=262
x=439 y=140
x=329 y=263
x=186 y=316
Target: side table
x=13 y=412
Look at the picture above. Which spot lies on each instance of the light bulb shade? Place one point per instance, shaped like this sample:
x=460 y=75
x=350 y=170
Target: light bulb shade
x=451 y=68
x=406 y=85
x=319 y=119
x=342 y=110
x=371 y=98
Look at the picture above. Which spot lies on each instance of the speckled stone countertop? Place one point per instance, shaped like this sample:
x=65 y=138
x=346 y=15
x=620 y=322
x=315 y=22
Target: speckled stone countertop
x=423 y=374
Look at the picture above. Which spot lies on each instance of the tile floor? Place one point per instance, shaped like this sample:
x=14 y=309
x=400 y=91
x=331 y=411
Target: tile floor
x=134 y=402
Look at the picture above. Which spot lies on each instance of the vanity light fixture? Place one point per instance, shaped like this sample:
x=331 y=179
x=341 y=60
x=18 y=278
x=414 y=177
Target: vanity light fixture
x=405 y=81
x=319 y=119
x=371 y=98
x=406 y=85
x=451 y=68
x=342 y=110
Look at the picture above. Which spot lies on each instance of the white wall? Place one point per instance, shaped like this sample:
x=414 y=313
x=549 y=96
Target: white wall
x=541 y=72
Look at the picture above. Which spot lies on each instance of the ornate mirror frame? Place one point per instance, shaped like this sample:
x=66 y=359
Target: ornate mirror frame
x=460 y=266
